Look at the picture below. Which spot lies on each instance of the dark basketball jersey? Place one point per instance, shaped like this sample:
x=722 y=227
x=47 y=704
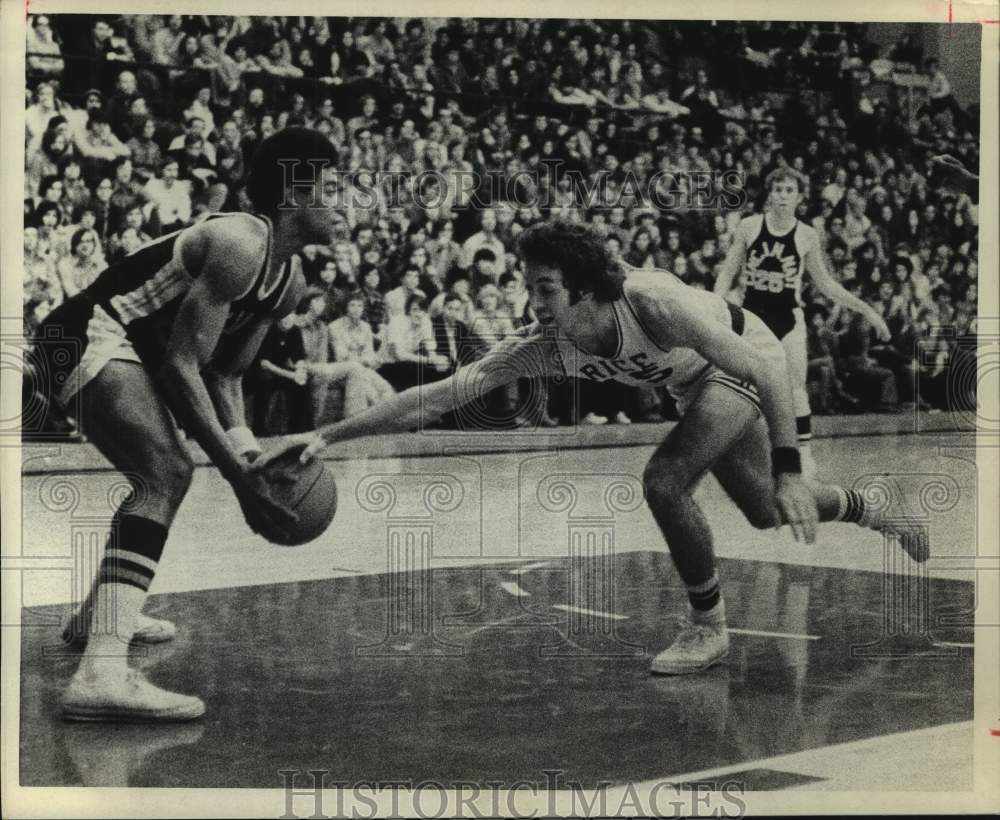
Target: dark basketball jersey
x=773 y=272
x=144 y=291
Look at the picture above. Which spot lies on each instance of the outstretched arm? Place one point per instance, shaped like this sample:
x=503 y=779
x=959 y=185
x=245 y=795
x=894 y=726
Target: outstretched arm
x=837 y=294
x=422 y=404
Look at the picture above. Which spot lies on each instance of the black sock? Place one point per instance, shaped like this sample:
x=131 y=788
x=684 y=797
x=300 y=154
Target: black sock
x=803 y=426
x=705 y=596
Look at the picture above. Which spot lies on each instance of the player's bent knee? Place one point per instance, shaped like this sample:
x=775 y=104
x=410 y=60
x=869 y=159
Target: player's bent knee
x=662 y=485
x=172 y=475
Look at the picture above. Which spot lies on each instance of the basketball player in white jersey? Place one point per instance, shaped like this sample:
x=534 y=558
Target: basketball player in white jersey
x=773 y=250
x=170 y=329
x=722 y=364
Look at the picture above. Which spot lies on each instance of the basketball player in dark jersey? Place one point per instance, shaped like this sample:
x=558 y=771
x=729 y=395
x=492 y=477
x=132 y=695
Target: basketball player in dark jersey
x=773 y=250
x=723 y=365
x=172 y=327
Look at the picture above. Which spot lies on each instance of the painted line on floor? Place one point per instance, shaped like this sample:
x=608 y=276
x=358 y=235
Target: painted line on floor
x=805 y=760
x=763 y=633
x=955 y=643
x=596 y=613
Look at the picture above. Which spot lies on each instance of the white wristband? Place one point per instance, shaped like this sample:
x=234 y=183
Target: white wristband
x=243 y=441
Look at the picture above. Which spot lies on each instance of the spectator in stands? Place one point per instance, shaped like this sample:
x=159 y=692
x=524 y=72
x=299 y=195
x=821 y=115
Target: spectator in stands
x=38 y=115
x=702 y=262
x=170 y=196
x=100 y=205
x=278 y=60
x=835 y=190
x=145 y=151
x=127 y=192
x=864 y=377
x=367 y=119
x=490 y=323
x=640 y=254
x=374 y=312
x=410 y=352
x=351 y=62
x=826 y=392
x=48 y=219
x=118 y=107
x=353 y=341
x=279 y=385
x=458 y=346
x=397 y=299
x=45 y=163
x=324 y=373
x=135 y=222
x=940 y=94
x=99 y=147
x=484 y=268
x=515 y=299
x=41 y=281
x=75 y=191
x=43 y=50
x=193 y=164
x=81 y=267
x=856 y=224
x=194 y=127
x=868 y=173
x=486 y=237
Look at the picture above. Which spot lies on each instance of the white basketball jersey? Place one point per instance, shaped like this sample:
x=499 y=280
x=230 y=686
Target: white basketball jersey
x=639 y=360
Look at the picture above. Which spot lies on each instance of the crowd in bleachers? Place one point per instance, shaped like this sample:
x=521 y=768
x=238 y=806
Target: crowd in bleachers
x=457 y=134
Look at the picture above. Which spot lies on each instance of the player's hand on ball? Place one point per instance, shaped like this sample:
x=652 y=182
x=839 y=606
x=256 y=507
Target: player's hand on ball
x=797 y=506
x=313 y=449
x=260 y=510
x=286 y=445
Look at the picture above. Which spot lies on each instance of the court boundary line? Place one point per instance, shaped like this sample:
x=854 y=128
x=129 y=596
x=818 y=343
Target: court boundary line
x=846 y=747
x=454 y=448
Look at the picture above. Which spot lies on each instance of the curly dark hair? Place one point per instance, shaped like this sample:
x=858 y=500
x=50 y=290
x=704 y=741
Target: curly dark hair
x=579 y=253
x=266 y=179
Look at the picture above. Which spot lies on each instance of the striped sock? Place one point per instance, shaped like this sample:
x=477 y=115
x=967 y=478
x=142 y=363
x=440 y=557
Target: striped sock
x=134 y=549
x=706 y=595
x=854 y=510
x=803 y=426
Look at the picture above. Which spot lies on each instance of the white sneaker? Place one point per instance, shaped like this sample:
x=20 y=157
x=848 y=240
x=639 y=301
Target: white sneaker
x=129 y=698
x=621 y=418
x=593 y=418
x=700 y=645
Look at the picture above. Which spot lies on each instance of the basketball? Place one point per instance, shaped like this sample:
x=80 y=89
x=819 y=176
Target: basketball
x=312 y=496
